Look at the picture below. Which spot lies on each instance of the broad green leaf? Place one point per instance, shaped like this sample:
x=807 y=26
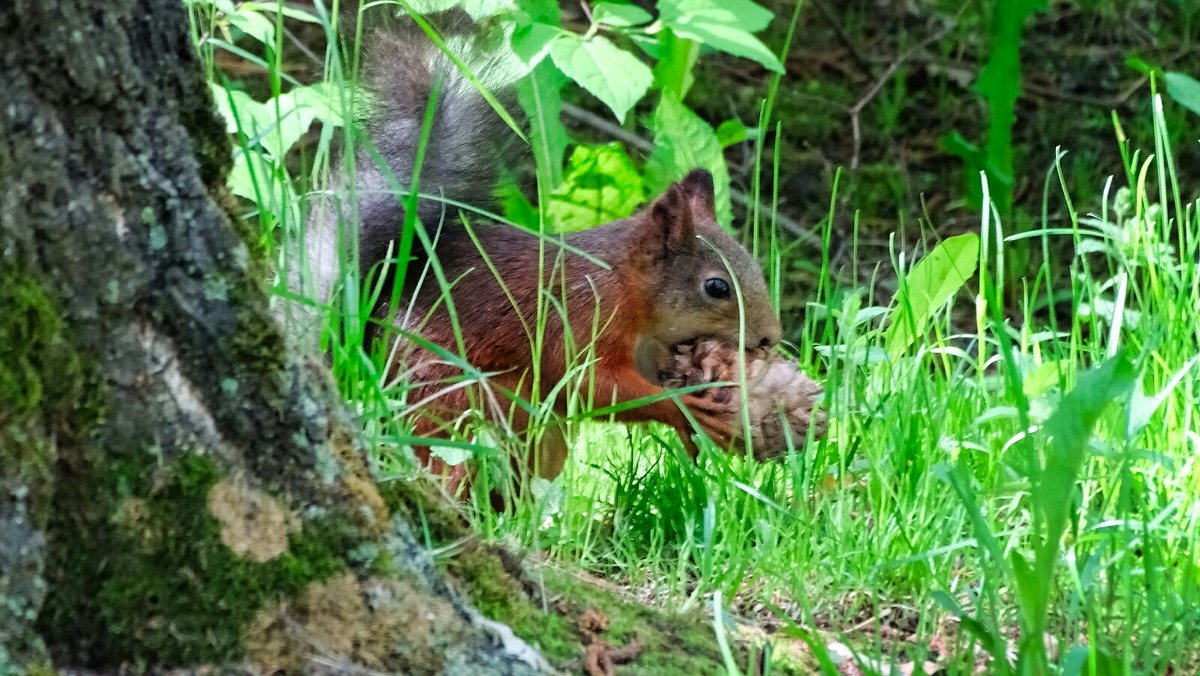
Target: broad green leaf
x=601 y=185
x=540 y=95
x=531 y=44
x=291 y=119
x=239 y=110
x=729 y=39
x=743 y=14
x=279 y=123
x=224 y=6
x=1185 y=89
x=432 y=6
x=481 y=9
x=1081 y=658
x=1067 y=433
x=254 y=24
x=620 y=16
x=324 y=99
x=731 y=132
x=254 y=177
x=1142 y=407
x=288 y=11
x=1030 y=590
x=451 y=455
x=674 y=63
x=726 y=25
x=612 y=75
x=477 y=9
x=683 y=142
x=927 y=287
x=1045 y=377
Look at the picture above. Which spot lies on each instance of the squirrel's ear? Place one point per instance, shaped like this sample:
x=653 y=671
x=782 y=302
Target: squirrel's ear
x=670 y=227
x=698 y=187
x=674 y=215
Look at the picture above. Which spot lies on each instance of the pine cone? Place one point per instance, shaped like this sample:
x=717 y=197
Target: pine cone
x=778 y=392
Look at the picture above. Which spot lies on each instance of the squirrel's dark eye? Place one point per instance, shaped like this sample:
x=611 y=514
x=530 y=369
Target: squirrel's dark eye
x=716 y=287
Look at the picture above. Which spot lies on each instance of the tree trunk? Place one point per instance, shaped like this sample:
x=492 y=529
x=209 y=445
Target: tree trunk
x=176 y=489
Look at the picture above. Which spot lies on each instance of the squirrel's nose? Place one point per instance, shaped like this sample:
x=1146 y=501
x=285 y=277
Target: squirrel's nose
x=772 y=337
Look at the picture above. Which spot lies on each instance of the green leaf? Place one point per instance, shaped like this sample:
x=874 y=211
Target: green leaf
x=620 y=16
x=254 y=24
x=240 y=111
x=612 y=75
x=451 y=455
x=748 y=16
x=1031 y=591
x=724 y=25
x=1140 y=65
x=729 y=39
x=1081 y=658
x=1045 y=377
x=477 y=9
x=1185 y=90
x=289 y=12
x=683 y=142
x=973 y=160
x=324 y=99
x=927 y=287
x=674 y=63
x=1067 y=432
x=279 y=123
x=731 y=132
x=531 y=44
x=292 y=114
x=601 y=185
x=956 y=144
x=254 y=177
x=1142 y=407
x=540 y=95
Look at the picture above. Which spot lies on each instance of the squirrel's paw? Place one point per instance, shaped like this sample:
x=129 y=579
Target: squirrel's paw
x=715 y=412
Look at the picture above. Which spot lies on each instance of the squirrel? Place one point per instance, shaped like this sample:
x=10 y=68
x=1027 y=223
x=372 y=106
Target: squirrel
x=622 y=292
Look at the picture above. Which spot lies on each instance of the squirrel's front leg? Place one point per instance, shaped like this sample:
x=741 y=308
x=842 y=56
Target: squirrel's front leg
x=626 y=384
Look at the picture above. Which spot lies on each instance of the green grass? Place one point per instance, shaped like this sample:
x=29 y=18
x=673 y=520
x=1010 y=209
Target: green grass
x=926 y=499
x=1014 y=486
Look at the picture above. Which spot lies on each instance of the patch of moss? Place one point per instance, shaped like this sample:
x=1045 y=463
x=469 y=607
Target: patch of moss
x=255 y=341
x=499 y=594
x=673 y=643
x=421 y=505
x=41 y=377
x=141 y=574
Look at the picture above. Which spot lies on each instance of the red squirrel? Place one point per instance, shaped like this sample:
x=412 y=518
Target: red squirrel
x=667 y=274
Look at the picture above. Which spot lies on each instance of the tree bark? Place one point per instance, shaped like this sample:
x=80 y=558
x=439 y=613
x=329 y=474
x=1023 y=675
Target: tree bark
x=177 y=489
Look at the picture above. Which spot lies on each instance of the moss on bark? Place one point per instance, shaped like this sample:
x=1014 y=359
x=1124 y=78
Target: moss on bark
x=172 y=590
x=42 y=378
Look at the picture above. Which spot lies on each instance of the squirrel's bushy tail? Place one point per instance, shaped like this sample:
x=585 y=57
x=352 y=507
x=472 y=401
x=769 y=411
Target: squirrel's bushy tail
x=402 y=70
